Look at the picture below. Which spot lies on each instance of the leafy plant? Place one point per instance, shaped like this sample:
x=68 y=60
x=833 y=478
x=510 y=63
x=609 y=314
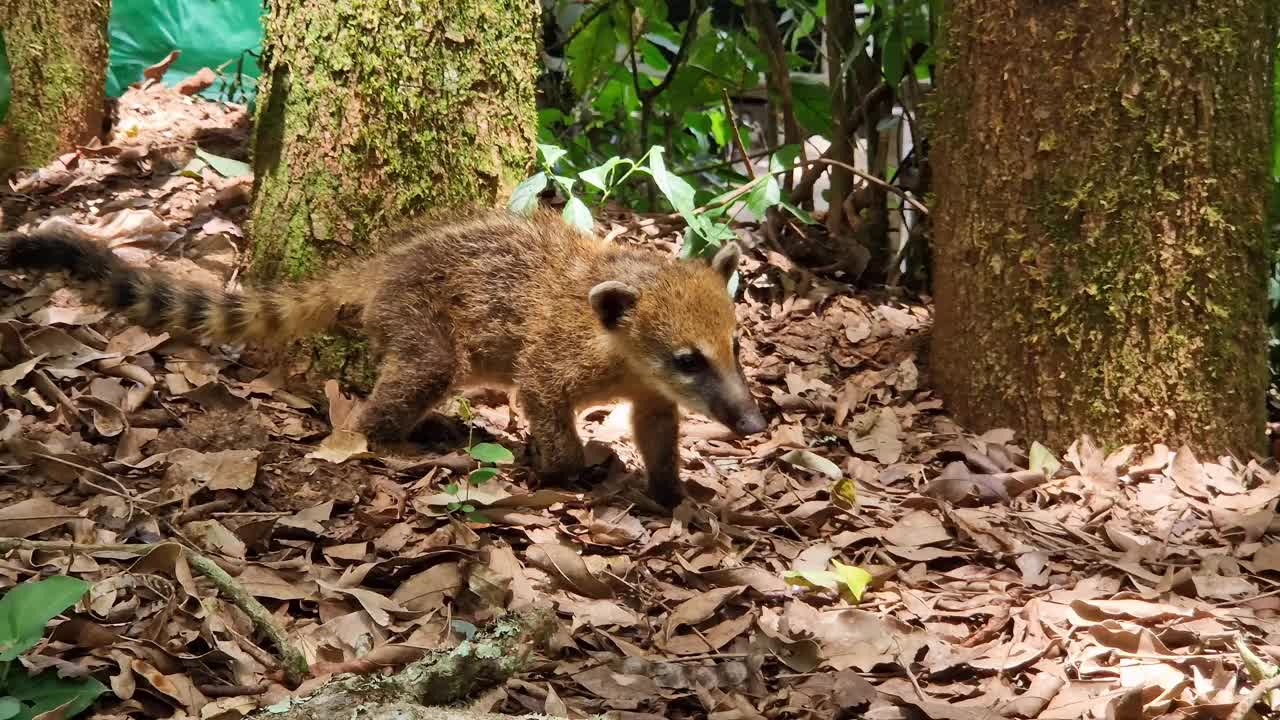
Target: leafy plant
x=24 y=611
x=706 y=229
x=487 y=455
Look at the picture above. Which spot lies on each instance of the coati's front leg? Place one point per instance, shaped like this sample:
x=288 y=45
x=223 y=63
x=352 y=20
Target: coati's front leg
x=557 y=450
x=408 y=386
x=655 y=425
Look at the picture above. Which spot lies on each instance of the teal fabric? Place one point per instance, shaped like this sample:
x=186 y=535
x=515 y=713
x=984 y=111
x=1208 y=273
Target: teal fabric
x=208 y=33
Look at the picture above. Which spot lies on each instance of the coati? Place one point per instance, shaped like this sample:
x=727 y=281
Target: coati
x=493 y=300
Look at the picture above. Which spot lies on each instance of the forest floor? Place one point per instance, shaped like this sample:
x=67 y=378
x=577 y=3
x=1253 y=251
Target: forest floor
x=1004 y=582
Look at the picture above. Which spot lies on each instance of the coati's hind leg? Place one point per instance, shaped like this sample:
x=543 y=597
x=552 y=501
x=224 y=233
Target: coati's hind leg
x=409 y=385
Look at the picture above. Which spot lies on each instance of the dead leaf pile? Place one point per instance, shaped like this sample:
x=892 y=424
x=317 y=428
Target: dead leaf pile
x=864 y=558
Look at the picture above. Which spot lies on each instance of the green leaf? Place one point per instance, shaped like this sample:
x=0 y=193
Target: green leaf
x=454 y=506
x=551 y=154
x=677 y=192
x=525 y=197
x=801 y=214
x=6 y=80
x=480 y=476
x=491 y=453
x=26 y=608
x=1042 y=459
x=854 y=579
x=895 y=47
x=468 y=508
x=566 y=184
x=46 y=691
x=812 y=579
x=226 y=167
x=598 y=176
x=763 y=196
x=9 y=707
x=451 y=489
x=576 y=214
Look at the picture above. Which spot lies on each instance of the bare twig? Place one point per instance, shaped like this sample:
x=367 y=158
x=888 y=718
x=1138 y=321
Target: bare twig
x=737 y=136
x=292 y=660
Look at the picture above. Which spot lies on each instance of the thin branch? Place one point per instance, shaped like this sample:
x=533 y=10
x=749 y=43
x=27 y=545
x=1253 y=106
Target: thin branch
x=737 y=136
x=682 y=52
x=583 y=21
x=294 y=662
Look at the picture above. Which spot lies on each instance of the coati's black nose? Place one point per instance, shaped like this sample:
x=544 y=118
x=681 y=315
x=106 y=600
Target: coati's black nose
x=750 y=423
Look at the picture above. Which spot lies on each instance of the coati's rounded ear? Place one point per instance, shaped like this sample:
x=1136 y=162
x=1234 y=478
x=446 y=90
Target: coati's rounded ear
x=725 y=262
x=611 y=300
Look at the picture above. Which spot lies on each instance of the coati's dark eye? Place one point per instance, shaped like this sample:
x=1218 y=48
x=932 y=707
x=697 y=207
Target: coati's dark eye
x=689 y=361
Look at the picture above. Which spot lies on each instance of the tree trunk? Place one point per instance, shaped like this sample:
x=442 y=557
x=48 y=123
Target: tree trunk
x=1100 y=237
x=373 y=112
x=58 y=58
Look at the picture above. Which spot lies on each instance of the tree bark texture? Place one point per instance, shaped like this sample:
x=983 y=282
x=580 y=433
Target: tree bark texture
x=1100 y=236
x=58 y=58
x=373 y=111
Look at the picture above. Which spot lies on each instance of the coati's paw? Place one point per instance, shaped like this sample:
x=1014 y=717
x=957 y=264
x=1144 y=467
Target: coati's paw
x=667 y=492
x=441 y=432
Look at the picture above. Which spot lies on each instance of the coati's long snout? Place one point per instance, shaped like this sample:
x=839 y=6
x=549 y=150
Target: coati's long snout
x=731 y=404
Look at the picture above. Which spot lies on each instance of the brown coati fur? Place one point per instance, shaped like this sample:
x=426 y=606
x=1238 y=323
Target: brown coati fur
x=495 y=300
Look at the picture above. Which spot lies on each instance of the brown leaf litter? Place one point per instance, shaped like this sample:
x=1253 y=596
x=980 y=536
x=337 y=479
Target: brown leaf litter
x=1003 y=581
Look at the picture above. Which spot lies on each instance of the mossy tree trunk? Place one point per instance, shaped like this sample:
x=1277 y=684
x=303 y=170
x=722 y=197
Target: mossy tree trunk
x=1102 y=175
x=370 y=113
x=57 y=54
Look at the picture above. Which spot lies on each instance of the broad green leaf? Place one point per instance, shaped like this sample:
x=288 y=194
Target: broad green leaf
x=566 y=184
x=895 y=47
x=763 y=196
x=454 y=506
x=525 y=197
x=677 y=192
x=226 y=167
x=1042 y=459
x=26 y=608
x=551 y=154
x=854 y=579
x=598 y=176
x=812 y=104
x=720 y=127
x=801 y=214
x=491 y=453
x=6 y=80
x=468 y=508
x=812 y=579
x=480 y=476
x=46 y=691
x=576 y=214
x=816 y=463
x=451 y=489
x=9 y=707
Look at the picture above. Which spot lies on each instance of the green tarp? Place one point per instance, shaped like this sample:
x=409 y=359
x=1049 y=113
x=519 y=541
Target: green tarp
x=224 y=34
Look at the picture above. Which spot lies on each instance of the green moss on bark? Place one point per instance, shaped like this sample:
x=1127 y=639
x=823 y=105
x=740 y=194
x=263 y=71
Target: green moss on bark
x=58 y=57
x=1101 y=226
x=372 y=112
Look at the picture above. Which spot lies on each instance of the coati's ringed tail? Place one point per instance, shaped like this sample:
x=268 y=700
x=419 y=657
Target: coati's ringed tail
x=158 y=301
